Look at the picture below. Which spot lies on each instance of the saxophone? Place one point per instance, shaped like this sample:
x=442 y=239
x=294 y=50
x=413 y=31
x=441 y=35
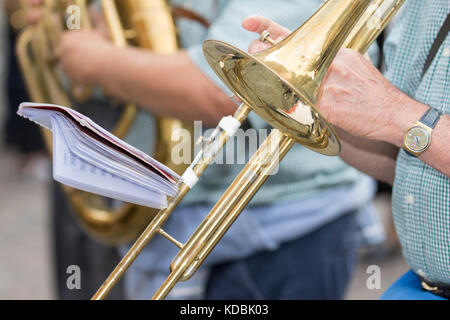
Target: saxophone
x=147 y=24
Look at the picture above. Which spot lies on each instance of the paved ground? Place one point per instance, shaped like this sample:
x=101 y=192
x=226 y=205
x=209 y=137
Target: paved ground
x=25 y=271
x=24 y=243
x=391 y=264
x=391 y=268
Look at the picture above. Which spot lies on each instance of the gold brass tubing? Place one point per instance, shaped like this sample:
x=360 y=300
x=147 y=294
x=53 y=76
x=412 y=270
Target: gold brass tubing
x=114 y=23
x=238 y=205
x=374 y=21
x=31 y=82
x=228 y=208
x=85 y=19
x=137 y=247
x=235 y=205
x=31 y=39
x=162 y=216
x=170 y=238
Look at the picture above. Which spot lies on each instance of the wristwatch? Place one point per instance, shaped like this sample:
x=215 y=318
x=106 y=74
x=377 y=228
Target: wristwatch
x=417 y=138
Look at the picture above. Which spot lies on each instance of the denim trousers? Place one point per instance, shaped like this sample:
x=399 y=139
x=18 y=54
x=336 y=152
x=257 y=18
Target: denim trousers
x=317 y=266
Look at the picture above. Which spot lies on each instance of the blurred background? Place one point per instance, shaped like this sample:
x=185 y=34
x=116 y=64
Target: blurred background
x=26 y=258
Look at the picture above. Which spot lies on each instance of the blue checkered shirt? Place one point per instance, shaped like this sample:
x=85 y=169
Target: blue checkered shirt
x=421 y=199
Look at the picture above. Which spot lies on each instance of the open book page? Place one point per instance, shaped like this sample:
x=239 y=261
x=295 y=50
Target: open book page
x=89 y=158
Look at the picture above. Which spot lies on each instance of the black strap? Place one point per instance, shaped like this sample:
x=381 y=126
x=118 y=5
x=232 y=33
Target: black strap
x=437 y=44
x=440 y=289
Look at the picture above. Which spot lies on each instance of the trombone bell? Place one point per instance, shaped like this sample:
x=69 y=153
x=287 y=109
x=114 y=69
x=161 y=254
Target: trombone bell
x=272 y=97
x=281 y=84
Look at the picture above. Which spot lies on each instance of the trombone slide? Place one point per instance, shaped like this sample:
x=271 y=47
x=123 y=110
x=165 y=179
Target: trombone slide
x=227 y=209
x=205 y=157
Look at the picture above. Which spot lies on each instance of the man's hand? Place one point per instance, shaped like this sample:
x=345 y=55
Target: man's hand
x=356 y=97
x=372 y=157
x=79 y=51
x=259 y=24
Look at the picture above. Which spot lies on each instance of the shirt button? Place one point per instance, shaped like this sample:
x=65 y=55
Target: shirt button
x=446 y=52
x=409 y=199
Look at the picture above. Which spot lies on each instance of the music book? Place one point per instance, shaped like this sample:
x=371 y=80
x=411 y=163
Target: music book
x=89 y=158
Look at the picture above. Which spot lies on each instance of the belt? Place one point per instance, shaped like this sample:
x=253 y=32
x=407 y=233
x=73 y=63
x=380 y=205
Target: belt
x=437 y=288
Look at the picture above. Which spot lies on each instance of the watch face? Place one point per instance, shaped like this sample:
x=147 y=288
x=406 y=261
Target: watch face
x=417 y=139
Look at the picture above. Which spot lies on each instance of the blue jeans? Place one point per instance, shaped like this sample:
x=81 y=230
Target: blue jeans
x=319 y=265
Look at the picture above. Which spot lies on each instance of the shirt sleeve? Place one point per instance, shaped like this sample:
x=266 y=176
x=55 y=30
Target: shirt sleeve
x=394 y=37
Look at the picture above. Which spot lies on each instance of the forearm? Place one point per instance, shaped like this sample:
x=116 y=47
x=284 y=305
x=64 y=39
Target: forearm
x=356 y=97
x=166 y=85
x=375 y=158
x=409 y=112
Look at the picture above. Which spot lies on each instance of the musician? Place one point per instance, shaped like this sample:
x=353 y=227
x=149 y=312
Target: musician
x=375 y=114
x=290 y=243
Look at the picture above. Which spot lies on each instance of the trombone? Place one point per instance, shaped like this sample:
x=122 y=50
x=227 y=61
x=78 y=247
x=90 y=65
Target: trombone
x=282 y=88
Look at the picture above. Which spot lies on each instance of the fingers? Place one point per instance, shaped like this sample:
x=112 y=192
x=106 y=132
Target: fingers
x=259 y=24
x=257 y=46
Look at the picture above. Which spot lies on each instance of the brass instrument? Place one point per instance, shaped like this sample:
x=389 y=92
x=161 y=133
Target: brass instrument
x=281 y=85
x=16 y=15
x=144 y=23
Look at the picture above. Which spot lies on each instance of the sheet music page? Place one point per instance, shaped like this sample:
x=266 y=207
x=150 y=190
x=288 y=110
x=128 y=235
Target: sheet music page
x=29 y=110
x=87 y=157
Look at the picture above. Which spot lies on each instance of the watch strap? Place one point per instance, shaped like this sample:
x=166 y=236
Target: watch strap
x=431 y=118
x=410 y=153
x=445 y=29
